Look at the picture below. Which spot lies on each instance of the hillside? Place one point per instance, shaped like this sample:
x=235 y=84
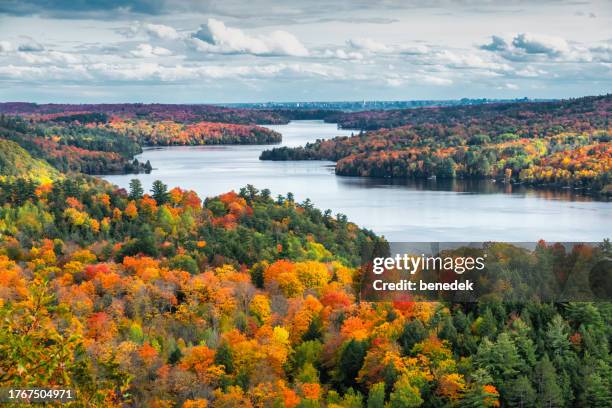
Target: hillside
x=163 y=300
x=561 y=143
x=17 y=162
x=95 y=143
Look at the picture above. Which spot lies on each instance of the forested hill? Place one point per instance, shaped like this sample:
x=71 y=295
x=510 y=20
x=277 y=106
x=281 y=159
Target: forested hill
x=166 y=299
x=17 y=162
x=535 y=118
x=186 y=113
x=99 y=143
x=561 y=143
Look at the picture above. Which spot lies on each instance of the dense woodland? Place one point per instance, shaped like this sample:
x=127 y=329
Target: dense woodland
x=163 y=112
x=96 y=143
x=561 y=143
x=162 y=298
x=243 y=300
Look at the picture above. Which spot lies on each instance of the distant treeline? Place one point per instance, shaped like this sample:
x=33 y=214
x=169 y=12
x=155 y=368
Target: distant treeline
x=561 y=143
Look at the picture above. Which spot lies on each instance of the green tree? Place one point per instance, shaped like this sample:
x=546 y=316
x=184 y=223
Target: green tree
x=136 y=190
x=376 y=396
x=519 y=393
x=414 y=332
x=159 y=192
x=550 y=394
x=350 y=362
x=405 y=395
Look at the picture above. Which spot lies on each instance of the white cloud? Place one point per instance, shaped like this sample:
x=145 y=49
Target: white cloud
x=153 y=71
x=530 y=72
x=342 y=54
x=413 y=49
x=372 y=46
x=509 y=86
x=216 y=38
x=31 y=46
x=6 y=47
x=149 y=51
x=542 y=48
x=161 y=31
x=367 y=44
x=467 y=60
x=540 y=44
x=434 y=80
x=51 y=57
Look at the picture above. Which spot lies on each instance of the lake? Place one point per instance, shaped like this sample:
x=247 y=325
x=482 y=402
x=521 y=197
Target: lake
x=401 y=211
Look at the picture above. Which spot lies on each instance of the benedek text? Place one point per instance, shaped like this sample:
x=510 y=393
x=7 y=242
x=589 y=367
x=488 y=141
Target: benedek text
x=423 y=286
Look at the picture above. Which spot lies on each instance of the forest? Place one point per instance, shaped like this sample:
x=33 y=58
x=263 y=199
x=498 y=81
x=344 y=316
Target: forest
x=165 y=299
x=161 y=112
x=101 y=143
x=162 y=298
x=559 y=144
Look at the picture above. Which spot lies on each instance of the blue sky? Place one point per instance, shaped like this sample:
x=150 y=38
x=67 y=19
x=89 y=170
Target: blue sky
x=235 y=51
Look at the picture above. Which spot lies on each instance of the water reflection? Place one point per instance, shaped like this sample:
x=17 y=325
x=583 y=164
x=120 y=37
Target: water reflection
x=472 y=187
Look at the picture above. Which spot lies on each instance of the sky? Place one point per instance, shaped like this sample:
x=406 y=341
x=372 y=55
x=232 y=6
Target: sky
x=198 y=51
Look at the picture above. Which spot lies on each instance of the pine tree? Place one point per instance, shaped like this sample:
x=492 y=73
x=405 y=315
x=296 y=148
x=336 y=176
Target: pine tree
x=414 y=332
x=549 y=393
x=376 y=396
x=519 y=393
x=350 y=362
x=160 y=192
x=136 y=190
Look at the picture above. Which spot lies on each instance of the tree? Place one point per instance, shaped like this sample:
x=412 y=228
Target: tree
x=136 y=190
x=519 y=393
x=500 y=359
x=160 y=192
x=376 y=396
x=405 y=395
x=414 y=332
x=350 y=362
x=549 y=393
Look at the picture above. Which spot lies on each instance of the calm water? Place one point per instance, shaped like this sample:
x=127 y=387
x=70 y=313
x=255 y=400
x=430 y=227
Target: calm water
x=406 y=211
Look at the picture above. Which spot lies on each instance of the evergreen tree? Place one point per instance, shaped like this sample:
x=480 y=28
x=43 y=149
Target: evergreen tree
x=224 y=357
x=350 y=362
x=550 y=394
x=160 y=192
x=414 y=332
x=136 y=190
x=519 y=393
x=376 y=396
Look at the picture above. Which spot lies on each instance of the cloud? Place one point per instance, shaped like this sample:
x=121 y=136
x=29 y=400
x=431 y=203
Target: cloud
x=509 y=86
x=149 y=51
x=215 y=37
x=80 y=8
x=434 y=80
x=367 y=44
x=342 y=54
x=496 y=44
x=371 y=46
x=467 y=60
x=161 y=31
x=531 y=47
x=530 y=72
x=51 y=57
x=6 y=47
x=31 y=46
x=540 y=44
